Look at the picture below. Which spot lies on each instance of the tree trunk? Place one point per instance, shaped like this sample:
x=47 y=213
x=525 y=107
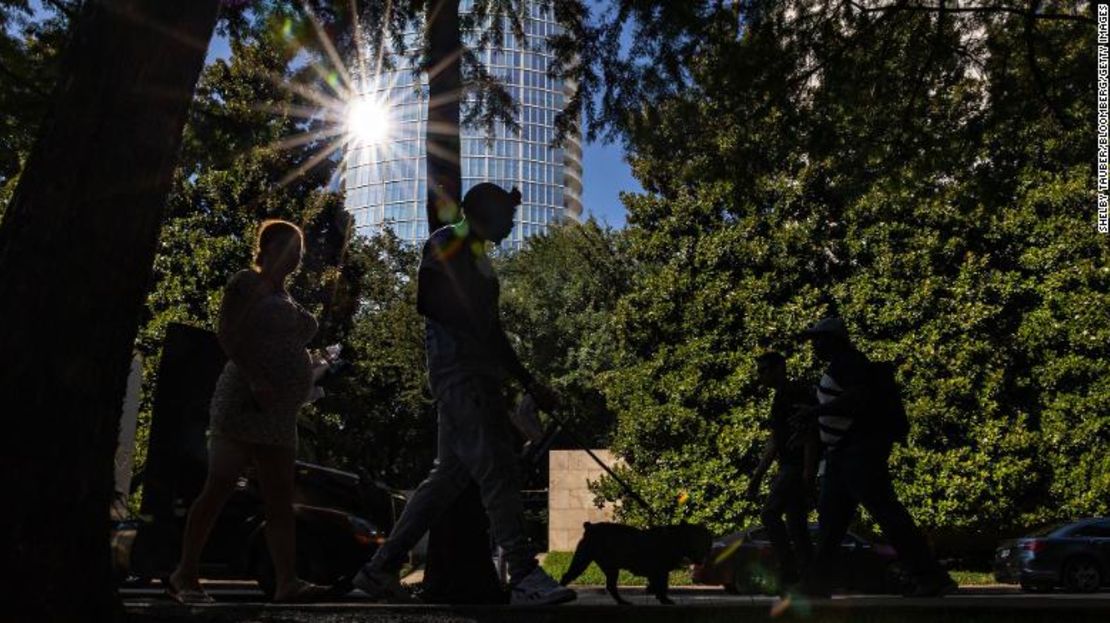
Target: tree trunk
x=441 y=138
x=76 y=248
x=459 y=568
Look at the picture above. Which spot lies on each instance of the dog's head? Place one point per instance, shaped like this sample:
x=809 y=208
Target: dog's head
x=695 y=541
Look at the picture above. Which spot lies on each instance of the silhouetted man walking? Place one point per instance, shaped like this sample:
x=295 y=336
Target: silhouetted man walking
x=796 y=448
x=858 y=442
x=468 y=354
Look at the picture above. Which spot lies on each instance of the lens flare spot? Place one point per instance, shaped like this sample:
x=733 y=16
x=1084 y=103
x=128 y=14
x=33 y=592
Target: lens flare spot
x=780 y=607
x=798 y=606
x=728 y=551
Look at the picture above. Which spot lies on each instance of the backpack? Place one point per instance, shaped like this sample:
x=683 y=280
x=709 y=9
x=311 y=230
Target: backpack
x=887 y=410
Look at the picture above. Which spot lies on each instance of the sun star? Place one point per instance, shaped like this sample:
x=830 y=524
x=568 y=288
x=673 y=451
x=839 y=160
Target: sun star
x=367 y=121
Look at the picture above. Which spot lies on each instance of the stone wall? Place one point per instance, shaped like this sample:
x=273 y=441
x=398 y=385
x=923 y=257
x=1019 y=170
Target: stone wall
x=569 y=502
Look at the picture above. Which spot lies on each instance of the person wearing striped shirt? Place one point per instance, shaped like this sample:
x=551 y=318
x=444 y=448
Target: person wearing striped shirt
x=857 y=450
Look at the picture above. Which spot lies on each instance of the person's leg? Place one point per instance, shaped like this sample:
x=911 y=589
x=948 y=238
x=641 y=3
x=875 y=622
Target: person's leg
x=275 y=465
x=474 y=423
x=773 y=509
x=483 y=444
x=869 y=475
x=835 y=509
x=797 y=520
x=447 y=479
x=226 y=460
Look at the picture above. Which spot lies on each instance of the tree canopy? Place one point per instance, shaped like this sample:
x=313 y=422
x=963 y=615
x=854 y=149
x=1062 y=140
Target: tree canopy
x=923 y=174
x=29 y=50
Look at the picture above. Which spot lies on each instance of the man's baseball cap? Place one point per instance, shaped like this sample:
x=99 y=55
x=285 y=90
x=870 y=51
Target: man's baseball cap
x=827 y=326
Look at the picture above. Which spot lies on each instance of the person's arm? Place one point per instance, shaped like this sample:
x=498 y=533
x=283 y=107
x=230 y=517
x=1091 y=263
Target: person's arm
x=234 y=333
x=434 y=298
x=769 y=453
x=812 y=457
x=234 y=330
x=506 y=354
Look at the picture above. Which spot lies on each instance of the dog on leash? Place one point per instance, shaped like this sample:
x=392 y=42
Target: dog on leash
x=650 y=553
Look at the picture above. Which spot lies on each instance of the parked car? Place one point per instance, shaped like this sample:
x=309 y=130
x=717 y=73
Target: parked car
x=1074 y=555
x=743 y=562
x=332 y=540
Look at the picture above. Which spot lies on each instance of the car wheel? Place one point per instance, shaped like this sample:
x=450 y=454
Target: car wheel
x=1082 y=575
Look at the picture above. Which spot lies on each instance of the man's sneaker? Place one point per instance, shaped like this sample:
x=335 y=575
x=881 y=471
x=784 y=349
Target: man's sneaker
x=539 y=589
x=936 y=585
x=381 y=585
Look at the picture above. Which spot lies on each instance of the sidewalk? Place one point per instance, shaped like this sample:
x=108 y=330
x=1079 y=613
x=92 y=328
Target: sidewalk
x=695 y=605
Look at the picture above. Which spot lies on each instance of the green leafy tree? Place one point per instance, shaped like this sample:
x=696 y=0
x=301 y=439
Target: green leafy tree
x=558 y=297
x=378 y=416
x=925 y=175
x=30 y=47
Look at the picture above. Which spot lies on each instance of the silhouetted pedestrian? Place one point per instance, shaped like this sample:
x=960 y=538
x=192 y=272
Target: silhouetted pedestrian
x=468 y=355
x=796 y=447
x=254 y=408
x=858 y=437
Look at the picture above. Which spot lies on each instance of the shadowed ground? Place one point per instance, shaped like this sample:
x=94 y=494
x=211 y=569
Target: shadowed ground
x=696 y=605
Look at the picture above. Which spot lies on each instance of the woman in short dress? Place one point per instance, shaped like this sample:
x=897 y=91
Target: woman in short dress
x=267 y=379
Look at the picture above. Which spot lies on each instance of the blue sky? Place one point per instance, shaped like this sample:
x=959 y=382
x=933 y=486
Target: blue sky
x=605 y=173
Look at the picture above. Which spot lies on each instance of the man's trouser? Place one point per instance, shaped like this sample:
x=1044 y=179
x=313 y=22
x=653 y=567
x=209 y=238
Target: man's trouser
x=474 y=441
x=860 y=475
x=790 y=539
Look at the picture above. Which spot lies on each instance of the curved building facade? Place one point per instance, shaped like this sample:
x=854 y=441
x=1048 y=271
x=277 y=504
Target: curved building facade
x=386 y=182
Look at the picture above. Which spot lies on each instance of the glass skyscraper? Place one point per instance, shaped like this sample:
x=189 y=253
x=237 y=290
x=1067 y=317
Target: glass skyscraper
x=386 y=182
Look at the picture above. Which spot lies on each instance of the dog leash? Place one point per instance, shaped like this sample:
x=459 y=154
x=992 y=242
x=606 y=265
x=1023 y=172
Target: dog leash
x=561 y=423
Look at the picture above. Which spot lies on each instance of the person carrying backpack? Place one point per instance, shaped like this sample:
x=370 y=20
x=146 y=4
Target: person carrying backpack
x=860 y=417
